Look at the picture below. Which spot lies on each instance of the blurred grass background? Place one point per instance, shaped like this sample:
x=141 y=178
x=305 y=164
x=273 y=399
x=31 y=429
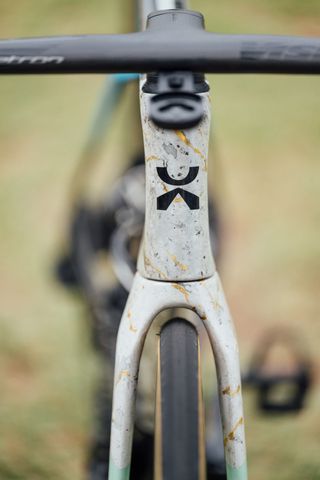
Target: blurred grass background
x=267 y=167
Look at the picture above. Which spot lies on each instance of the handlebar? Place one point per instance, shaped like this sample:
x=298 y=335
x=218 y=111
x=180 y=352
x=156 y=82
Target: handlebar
x=173 y=40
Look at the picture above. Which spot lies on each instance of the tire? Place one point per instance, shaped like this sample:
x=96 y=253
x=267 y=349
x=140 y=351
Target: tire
x=179 y=443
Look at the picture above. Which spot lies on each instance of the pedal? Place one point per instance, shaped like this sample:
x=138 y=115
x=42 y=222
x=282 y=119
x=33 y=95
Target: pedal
x=280 y=392
x=296 y=386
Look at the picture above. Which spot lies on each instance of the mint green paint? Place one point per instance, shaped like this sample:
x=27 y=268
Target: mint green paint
x=237 y=473
x=116 y=473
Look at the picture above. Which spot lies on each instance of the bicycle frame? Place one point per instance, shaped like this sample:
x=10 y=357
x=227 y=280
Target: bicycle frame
x=176 y=269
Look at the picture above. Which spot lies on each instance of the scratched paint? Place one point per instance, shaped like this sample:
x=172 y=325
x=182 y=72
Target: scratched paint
x=148 y=298
x=176 y=244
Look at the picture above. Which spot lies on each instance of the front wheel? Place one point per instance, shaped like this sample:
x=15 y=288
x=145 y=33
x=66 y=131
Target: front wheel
x=179 y=439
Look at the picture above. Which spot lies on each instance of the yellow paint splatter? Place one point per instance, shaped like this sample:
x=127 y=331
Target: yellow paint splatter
x=147 y=263
x=152 y=157
x=165 y=188
x=182 y=290
x=187 y=142
x=123 y=374
x=132 y=327
x=178 y=264
x=231 y=435
x=228 y=391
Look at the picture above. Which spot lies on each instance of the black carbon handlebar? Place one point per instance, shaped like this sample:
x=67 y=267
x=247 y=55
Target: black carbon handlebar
x=173 y=40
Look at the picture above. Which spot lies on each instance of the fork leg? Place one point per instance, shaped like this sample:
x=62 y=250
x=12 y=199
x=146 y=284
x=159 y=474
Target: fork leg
x=213 y=309
x=137 y=317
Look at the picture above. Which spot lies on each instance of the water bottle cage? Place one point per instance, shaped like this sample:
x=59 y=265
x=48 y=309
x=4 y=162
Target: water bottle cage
x=176 y=104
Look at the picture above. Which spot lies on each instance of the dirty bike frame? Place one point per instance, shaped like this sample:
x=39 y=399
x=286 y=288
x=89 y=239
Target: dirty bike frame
x=175 y=266
x=176 y=269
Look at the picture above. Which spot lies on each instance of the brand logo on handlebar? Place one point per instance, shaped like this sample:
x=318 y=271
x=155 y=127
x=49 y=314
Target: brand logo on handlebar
x=257 y=51
x=34 y=60
x=164 y=201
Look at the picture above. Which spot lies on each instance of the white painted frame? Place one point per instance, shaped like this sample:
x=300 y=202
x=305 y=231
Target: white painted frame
x=176 y=269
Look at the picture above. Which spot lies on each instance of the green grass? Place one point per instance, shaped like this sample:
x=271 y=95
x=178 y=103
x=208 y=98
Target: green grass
x=266 y=173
